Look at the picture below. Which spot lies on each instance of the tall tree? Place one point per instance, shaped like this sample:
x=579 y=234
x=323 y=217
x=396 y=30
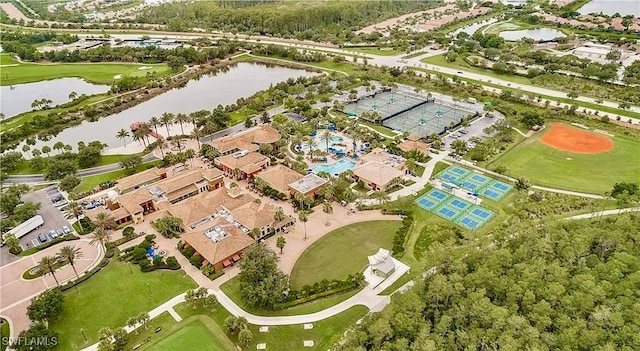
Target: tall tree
x=278 y=215
x=182 y=118
x=262 y=284
x=281 y=242
x=105 y=221
x=70 y=254
x=303 y=216
x=47 y=265
x=123 y=134
x=328 y=209
x=167 y=120
x=101 y=237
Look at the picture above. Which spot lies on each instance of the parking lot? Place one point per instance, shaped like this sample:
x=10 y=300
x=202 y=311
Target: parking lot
x=50 y=212
x=476 y=129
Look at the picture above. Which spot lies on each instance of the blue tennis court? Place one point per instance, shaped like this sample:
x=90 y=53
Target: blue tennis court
x=481 y=213
x=449 y=177
x=459 y=171
x=479 y=178
x=448 y=213
x=438 y=194
x=469 y=185
x=459 y=204
x=492 y=194
x=501 y=186
x=469 y=223
x=426 y=204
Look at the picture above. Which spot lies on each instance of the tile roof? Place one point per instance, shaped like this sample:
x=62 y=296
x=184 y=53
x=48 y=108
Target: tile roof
x=214 y=252
x=377 y=173
x=254 y=215
x=131 y=201
x=247 y=140
x=232 y=162
x=140 y=178
x=187 y=178
x=409 y=145
x=279 y=177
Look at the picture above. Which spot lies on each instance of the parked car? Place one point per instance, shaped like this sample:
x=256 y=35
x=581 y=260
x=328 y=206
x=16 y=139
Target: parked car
x=43 y=238
x=53 y=234
x=66 y=229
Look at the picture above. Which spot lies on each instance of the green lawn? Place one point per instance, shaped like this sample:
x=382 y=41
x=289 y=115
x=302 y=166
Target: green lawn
x=595 y=174
x=24 y=168
x=342 y=252
x=4 y=333
x=232 y=289
x=194 y=336
x=6 y=59
x=91 y=182
x=110 y=297
x=440 y=166
x=206 y=326
x=102 y=73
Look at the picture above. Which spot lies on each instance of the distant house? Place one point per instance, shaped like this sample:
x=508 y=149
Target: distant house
x=617 y=25
x=635 y=27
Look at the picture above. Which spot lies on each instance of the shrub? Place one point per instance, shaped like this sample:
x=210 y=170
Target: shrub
x=139 y=254
x=128 y=231
x=158 y=261
x=172 y=263
x=188 y=252
x=196 y=260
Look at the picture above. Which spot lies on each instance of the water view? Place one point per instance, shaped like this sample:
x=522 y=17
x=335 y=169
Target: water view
x=611 y=7
x=17 y=99
x=539 y=34
x=206 y=93
x=472 y=28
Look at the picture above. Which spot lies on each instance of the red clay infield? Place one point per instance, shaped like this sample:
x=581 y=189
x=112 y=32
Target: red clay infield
x=565 y=138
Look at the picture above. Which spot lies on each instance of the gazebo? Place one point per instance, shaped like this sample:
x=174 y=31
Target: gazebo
x=382 y=264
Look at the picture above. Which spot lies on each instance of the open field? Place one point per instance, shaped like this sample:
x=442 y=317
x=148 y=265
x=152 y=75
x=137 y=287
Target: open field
x=595 y=173
x=194 y=336
x=24 y=168
x=99 y=73
x=109 y=298
x=342 y=252
x=376 y=51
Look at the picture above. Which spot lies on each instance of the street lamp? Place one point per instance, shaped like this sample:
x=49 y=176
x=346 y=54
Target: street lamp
x=83 y=335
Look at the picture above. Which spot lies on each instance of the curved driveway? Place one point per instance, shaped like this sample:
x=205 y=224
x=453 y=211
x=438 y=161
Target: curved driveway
x=16 y=292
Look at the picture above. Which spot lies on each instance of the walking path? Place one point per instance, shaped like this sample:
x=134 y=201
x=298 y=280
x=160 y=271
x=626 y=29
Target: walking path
x=16 y=292
x=604 y=213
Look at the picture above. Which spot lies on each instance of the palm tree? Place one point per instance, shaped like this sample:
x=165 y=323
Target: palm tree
x=100 y=236
x=76 y=210
x=303 y=216
x=255 y=233
x=278 y=215
x=145 y=130
x=196 y=134
x=105 y=221
x=167 y=120
x=131 y=323
x=326 y=136
x=13 y=243
x=155 y=122
x=69 y=254
x=281 y=242
x=47 y=265
x=46 y=149
x=328 y=209
x=160 y=143
x=190 y=153
x=73 y=95
x=25 y=149
x=139 y=135
x=58 y=146
x=182 y=118
x=123 y=134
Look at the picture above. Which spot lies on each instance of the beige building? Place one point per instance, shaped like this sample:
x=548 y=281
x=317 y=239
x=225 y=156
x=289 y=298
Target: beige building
x=135 y=181
x=308 y=185
x=220 y=244
x=413 y=143
x=249 y=140
x=242 y=164
x=279 y=177
x=377 y=176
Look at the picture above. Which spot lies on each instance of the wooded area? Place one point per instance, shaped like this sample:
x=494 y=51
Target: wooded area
x=551 y=285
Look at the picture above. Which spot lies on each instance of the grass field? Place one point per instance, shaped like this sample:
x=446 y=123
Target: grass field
x=194 y=336
x=101 y=73
x=376 y=51
x=342 y=252
x=595 y=173
x=24 y=168
x=110 y=297
x=4 y=333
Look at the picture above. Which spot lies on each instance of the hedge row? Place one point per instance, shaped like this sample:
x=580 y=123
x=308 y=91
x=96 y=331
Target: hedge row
x=310 y=298
x=401 y=233
x=31 y=251
x=352 y=281
x=105 y=261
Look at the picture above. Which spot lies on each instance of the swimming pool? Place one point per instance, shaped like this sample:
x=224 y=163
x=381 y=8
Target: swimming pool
x=341 y=166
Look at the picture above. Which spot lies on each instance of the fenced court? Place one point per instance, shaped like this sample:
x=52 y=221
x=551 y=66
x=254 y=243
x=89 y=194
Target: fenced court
x=476 y=183
x=454 y=209
x=386 y=103
x=426 y=119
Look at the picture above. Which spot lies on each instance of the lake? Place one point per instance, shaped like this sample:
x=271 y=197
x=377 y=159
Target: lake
x=472 y=28
x=242 y=80
x=610 y=7
x=539 y=34
x=17 y=99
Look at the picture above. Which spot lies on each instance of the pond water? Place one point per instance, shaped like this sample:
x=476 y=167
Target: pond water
x=472 y=28
x=17 y=99
x=610 y=7
x=242 y=80
x=538 y=34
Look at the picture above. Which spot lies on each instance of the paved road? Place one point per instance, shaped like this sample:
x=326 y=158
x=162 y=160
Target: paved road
x=604 y=213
